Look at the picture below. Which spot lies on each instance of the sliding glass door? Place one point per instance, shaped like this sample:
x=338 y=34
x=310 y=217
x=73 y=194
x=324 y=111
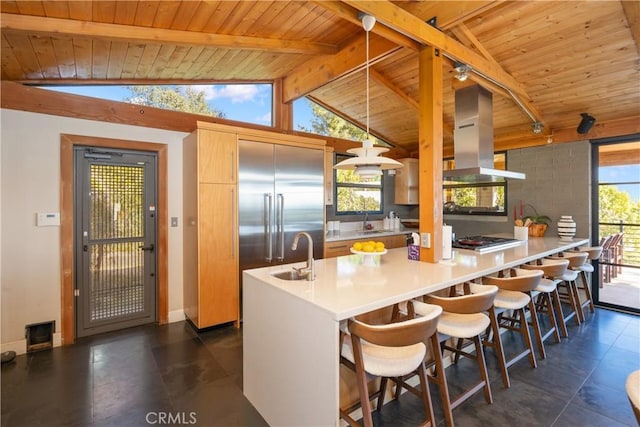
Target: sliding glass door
x=616 y=222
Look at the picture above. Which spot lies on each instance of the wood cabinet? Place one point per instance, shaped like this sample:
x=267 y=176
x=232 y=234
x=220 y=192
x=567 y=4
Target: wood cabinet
x=342 y=247
x=406 y=183
x=217 y=156
x=211 y=256
x=210 y=239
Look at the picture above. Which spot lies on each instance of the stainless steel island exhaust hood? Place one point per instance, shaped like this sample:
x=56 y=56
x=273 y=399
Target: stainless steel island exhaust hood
x=473 y=139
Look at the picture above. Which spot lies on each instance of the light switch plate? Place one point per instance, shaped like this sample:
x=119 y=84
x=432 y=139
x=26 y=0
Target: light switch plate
x=425 y=240
x=48 y=219
x=174 y=221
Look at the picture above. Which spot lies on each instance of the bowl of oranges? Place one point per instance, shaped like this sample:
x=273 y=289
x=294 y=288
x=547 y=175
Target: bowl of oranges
x=369 y=248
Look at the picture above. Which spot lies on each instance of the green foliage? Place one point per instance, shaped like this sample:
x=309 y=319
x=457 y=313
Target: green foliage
x=356 y=195
x=177 y=98
x=324 y=122
x=470 y=196
x=617 y=206
x=536 y=218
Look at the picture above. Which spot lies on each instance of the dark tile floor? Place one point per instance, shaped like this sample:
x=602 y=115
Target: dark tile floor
x=169 y=375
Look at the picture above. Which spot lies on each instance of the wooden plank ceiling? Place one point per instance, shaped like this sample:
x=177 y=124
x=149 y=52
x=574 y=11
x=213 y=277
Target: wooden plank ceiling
x=544 y=61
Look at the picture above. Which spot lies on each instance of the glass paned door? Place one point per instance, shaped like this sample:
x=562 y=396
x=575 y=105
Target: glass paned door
x=618 y=225
x=115 y=240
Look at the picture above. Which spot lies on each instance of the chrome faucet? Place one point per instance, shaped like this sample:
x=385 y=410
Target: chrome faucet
x=365 y=221
x=309 y=270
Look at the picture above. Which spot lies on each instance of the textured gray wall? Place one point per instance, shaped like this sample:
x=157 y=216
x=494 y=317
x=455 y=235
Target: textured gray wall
x=558 y=183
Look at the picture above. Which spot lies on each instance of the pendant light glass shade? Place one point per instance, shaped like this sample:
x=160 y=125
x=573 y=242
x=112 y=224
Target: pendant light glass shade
x=368 y=164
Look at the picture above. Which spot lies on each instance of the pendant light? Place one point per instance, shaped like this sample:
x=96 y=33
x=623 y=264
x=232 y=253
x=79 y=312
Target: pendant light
x=368 y=164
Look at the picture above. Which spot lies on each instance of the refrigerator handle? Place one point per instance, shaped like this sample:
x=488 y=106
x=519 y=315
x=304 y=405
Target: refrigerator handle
x=268 y=232
x=280 y=218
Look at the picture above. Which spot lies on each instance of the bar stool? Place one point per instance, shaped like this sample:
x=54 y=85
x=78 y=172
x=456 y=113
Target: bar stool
x=548 y=298
x=514 y=295
x=632 y=386
x=593 y=254
x=462 y=317
x=569 y=282
x=389 y=351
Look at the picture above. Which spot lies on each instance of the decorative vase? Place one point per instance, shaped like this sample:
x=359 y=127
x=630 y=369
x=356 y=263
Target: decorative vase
x=537 y=230
x=566 y=227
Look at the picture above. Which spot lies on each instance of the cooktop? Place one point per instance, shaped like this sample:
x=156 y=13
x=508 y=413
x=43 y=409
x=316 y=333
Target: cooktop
x=484 y=244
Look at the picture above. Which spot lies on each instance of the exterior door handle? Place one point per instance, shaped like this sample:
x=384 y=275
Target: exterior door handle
x=151 y=247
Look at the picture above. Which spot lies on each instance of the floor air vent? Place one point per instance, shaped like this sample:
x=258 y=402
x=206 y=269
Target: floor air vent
x=40 y=336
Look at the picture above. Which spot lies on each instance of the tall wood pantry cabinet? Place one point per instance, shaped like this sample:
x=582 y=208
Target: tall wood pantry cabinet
x=210 y=239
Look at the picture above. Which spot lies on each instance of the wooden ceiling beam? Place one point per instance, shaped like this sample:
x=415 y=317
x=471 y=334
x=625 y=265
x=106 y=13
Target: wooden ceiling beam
x=382 y=80
x=608 y=129
x=134 y=34
x=324 y=69
x=466 y=37
x=632 y=13
x=514 y=139
x=350 y=14
x=453 y=13
x=614 y=156
x=404 y=22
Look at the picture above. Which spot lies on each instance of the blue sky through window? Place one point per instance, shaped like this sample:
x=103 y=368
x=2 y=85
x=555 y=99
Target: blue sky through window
x=250 y=103
x=622 y=174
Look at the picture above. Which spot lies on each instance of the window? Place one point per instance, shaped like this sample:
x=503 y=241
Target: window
x=314 y=118
x=354 y=196
x=245 y=102
x=486 y=198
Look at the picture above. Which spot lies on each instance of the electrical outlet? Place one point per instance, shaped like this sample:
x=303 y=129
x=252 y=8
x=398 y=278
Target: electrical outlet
x=425 y=240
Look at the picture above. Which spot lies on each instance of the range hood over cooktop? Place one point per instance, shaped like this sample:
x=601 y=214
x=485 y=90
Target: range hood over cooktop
x=473 y=139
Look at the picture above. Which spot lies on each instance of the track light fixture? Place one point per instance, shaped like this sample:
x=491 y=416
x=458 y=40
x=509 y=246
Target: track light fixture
x=537 y=127
x=462 y=69
x=586 y=123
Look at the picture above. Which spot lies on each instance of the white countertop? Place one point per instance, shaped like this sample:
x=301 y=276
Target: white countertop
x=332 y=236
x=354 y=284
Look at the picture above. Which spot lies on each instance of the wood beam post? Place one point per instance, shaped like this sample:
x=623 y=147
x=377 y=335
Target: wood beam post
x=282 y=111
x=430 y=151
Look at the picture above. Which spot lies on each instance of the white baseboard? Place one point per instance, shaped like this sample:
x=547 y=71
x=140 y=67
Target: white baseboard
x=176 y=316
x=20 y=346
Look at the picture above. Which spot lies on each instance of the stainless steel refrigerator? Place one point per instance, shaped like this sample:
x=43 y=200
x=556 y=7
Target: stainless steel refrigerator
x=281 y=192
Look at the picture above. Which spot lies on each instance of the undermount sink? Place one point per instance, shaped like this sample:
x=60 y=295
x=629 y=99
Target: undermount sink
x=370 y=231
x=288 y=275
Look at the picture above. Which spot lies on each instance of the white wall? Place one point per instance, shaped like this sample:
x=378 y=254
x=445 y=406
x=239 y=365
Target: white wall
x=30 y=182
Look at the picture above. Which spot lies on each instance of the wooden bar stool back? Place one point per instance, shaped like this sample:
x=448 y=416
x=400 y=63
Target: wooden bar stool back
x=388 y=351
x=513 y=297
x=593 y=254
x=570 y=284
x=463 y=317
x=548 y=298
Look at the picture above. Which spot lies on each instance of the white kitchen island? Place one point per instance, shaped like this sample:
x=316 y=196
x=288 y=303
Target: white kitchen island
x=291 y=328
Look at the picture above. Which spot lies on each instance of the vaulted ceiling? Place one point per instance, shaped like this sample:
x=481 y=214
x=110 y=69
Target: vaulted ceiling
x=545 y=62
